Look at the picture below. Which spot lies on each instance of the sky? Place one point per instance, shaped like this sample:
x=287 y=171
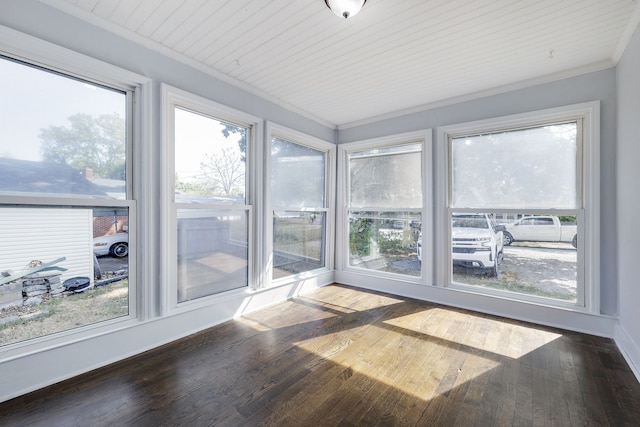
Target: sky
x=33 y=100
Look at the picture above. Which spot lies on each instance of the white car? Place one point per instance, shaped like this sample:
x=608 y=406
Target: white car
x=476 y=242
x=113 y=244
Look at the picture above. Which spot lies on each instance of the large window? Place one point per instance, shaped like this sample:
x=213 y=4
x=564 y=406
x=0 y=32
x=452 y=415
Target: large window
x=519 y=198
x=300 y=177
x=66 y=202
x=210 y=244
x=385 y=205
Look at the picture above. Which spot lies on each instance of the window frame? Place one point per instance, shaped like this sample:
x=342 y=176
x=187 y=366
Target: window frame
x=171 y=98
x=275 y=130
x=137 y=88
x=588 y=199
x=423 y=137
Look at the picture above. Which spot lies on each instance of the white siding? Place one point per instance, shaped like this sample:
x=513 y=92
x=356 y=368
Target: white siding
x=28 y=234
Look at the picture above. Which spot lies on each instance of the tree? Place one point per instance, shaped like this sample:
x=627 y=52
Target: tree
x=98 y=143
x=224 y=170
x=228 y=129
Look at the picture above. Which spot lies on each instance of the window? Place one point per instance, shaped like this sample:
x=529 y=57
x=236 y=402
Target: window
x=524 y=178
x=66 y=200
x=385 y=205
x=211 y=217
x=300 y=202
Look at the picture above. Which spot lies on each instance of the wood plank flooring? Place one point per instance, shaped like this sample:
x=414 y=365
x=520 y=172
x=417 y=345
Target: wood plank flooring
x=348 y=357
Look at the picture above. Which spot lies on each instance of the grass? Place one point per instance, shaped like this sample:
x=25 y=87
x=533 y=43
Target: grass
x=63 y=313
x=509 y=281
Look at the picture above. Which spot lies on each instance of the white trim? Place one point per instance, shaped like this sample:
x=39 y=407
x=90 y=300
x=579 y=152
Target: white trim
x=630 y=350
x=329 y=149
x=551 y=78
x=35 y=51
x=66 y=7
x=53 y=57
x=422 y=137
x=135 y=338
x=632 y=26
x=589 y=171
x=537 y=314
x=172 y=97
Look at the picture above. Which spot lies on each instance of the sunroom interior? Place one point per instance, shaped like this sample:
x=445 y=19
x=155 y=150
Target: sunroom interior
x=253 y=167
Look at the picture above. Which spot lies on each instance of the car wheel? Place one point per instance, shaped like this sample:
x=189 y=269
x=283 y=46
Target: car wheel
x=120 y=250
x=574 y=241
x=507 y=239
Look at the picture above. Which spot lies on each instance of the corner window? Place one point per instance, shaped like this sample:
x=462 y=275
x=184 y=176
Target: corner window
x=520 y=203
x=385 y=206
x=66 y=202
x=299 y=201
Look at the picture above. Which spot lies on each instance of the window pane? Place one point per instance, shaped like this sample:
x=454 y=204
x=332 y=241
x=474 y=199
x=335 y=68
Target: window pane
x=528 y=168
x=212 y=252
x=210 y=159
x=50 y=280
x=527 y=254
x=298 y=242
x=60 y=135
x=385 y=241
x=386 y=177
x=297 y=175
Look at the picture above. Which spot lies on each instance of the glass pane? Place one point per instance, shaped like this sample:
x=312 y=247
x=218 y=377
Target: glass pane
x=50 y=280
x=528 y=168
x=527 y=254
x=298 y=242
x=60 y=135
x=297 y=175
x=212 y=252
x=210 y=159
x=386 y=177
x=385 y=241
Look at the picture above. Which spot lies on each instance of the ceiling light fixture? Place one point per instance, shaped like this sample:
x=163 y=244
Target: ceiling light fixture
x=345 y=8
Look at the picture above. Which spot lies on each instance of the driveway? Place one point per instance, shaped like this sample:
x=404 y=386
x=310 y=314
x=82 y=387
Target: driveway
x=548 y=269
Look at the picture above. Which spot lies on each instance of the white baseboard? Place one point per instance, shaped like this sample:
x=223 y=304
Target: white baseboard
x=629 y=348
x=571 y=320
x=32 y=370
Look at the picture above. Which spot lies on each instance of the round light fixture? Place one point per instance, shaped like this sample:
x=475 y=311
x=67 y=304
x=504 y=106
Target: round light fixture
x=345 y=8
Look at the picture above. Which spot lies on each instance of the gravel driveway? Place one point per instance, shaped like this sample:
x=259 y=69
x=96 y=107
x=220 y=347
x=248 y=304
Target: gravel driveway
x=544 y=269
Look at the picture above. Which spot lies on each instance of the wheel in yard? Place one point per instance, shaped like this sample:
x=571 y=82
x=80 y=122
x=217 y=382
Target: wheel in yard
x=120 y=250
x=574 y=241
x=507 y=238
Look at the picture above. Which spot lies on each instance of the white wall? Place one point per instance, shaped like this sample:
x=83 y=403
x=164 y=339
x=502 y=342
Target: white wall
x=628 y=201
x=587 y=87
x=35 y=234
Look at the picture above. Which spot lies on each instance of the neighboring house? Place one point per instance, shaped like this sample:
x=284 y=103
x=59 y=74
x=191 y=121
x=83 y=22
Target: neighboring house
x=39 y=230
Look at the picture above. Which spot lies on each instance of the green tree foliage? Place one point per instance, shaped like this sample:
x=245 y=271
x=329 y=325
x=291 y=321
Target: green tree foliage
x=98 y=143
x=228 y=129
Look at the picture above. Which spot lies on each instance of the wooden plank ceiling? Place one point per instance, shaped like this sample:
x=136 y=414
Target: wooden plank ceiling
x=394 y=56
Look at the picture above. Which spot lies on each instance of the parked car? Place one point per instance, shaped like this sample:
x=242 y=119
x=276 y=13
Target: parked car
x=477 y=242
x=541 y=228
x=113 y=244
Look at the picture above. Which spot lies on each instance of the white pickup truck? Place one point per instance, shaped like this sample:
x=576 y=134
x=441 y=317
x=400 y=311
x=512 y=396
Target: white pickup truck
x=540 y=229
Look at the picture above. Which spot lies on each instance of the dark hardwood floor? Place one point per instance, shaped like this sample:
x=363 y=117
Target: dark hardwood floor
x=347 y=357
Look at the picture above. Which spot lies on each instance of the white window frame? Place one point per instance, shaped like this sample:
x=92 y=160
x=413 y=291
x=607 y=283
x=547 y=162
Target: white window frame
x=422 y=137
x=274 y=130
x=588 y=175
x=172 y=97
x=49 y=56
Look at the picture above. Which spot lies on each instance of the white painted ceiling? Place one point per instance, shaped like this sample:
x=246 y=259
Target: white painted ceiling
x=394 y=56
